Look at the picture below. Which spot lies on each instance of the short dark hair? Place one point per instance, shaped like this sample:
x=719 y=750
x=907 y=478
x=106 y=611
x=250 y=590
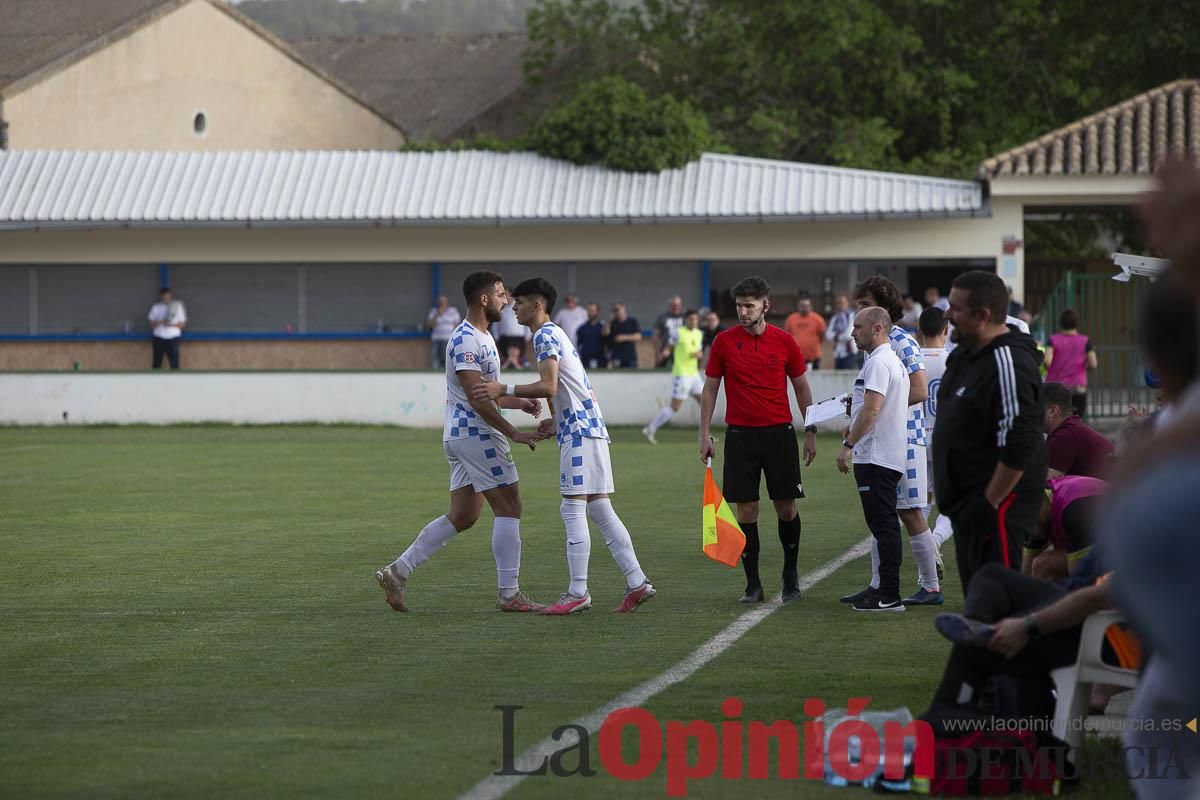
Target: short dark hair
x=1167 y=331
x=478 y=283
x=752 y=286
x=932 y=321
x=1068 y=320
x=539 y=288
x=984 y=290
x=689 y=312
x=883 y=293
x=163 y=290
x=1055 y=394
x=906 y=296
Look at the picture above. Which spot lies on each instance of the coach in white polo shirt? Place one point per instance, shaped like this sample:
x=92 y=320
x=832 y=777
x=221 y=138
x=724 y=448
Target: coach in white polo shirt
x=876 y=444
x=168 y=319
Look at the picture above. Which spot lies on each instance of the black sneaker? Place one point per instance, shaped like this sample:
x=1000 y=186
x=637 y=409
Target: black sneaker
x=754 y=595
x=877 y=603
x=858 y=596
x=963 y=630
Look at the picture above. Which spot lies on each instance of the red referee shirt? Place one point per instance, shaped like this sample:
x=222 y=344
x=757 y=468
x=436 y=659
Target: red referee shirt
x=756 y=370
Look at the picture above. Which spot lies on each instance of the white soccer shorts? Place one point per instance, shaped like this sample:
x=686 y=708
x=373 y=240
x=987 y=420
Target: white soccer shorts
x=480 y=463
x=585 y=467
x=913 y=489
x=685 y=386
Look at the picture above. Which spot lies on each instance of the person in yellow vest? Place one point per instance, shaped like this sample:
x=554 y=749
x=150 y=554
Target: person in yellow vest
x=685 y=372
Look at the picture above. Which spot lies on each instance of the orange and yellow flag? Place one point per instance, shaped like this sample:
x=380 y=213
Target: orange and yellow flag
x=723 y=537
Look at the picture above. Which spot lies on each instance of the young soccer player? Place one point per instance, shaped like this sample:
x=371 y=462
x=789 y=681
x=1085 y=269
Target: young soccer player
x=475 y=443
x=685 y=372
x=931 y=335
x=585 y=477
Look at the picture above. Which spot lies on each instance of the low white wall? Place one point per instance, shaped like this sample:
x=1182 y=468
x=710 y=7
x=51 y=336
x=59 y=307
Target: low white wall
x=412 y=399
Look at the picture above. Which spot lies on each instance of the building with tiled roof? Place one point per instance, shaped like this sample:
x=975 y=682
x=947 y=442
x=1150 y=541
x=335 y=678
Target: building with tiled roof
x=168 y=75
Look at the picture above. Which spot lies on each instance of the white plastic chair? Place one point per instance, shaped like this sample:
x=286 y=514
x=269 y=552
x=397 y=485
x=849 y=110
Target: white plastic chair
x=1074 y=683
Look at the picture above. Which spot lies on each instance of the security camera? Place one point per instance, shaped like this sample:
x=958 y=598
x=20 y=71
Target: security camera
x=1138 y=265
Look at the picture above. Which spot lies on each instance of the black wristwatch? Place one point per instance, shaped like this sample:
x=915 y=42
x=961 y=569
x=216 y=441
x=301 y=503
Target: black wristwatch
x=846 y=443
x=810 y=428
x=1032 y=629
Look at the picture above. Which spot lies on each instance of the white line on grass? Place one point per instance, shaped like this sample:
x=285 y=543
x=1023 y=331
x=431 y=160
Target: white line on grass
x=496 y=786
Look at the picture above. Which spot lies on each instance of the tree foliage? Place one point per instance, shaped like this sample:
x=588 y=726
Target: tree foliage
x=911 y=85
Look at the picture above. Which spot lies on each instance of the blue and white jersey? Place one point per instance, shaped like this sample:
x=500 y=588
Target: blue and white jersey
x=576 y=410
x=909 y=352
x=935 y=367
x=469 y=349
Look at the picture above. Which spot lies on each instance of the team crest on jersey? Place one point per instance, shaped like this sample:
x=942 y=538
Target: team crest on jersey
x=772 y=362
x=469 y=358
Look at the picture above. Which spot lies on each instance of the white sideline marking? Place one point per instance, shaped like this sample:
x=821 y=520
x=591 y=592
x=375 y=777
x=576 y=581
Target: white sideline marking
x=495 y=786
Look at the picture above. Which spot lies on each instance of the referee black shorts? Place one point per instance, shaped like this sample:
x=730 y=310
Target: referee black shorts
x=749 y=452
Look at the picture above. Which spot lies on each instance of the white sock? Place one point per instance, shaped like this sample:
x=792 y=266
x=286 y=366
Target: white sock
x=506 y=547
x=874 y=563
x=942 y=529
x=433 y=537
x=617 y=538
x=579 y=544
x=924 y=550
x=664 y=414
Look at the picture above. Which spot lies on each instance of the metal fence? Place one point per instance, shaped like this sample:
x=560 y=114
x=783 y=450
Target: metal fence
x=1108 y=316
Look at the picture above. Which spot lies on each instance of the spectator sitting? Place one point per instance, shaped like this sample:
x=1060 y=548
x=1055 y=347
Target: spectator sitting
x=1063 y=534
x=910 y=320
x=807 y=327
x=666 y=328
x=570 y=317
x=514 y=358
x=1024 y=628
x=623 y=335
x=1069 y=356
x=589 y=338
x=1072 y=447
x=441 y=322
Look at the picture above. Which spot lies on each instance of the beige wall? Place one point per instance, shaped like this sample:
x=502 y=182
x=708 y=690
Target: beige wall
x=226 y=355
x=929 y=238
x=143 y=91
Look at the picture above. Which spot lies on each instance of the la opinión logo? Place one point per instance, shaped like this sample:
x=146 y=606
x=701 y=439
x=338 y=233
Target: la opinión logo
x=732 y=749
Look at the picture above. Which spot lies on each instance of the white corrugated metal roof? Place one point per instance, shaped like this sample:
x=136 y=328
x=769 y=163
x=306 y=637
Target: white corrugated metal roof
x=107 y=189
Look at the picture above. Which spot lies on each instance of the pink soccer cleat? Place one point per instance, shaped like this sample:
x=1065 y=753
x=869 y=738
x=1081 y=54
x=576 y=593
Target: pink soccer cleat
x=568 y=604
x=635 y=597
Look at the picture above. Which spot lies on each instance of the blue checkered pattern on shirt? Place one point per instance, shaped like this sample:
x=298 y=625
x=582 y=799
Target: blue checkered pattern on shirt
x=545 y=344
x=909 y=352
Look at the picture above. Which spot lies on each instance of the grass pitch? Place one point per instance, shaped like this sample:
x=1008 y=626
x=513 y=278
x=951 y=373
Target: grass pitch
x=191 y=612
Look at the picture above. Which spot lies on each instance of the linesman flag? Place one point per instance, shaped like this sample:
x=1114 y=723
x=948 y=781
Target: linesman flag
x=723 y=537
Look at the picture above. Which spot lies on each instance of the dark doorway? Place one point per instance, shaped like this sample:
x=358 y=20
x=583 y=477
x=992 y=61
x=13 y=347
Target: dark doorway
x=921 y=278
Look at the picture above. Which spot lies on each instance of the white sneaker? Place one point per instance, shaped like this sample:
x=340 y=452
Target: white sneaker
x=649 y=434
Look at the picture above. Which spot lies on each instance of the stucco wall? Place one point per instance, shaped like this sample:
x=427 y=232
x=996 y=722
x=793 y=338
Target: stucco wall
x=365 y=354
x=143 y=92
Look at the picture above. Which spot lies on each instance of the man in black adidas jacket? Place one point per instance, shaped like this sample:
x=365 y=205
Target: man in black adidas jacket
x=989 y=457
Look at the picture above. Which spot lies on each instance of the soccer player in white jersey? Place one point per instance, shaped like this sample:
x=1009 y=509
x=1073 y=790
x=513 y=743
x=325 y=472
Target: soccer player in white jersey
x=931 y=334
x=585 y=471
x=475 y=440
x=912 y=493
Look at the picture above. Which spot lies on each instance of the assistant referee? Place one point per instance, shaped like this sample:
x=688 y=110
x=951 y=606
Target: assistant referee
x=756 y=361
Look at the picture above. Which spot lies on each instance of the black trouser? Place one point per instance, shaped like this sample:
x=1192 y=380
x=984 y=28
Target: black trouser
x=877 y=492
x=994 y=594
x=169 y=348
x=1079 y=403
x=986 y=535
